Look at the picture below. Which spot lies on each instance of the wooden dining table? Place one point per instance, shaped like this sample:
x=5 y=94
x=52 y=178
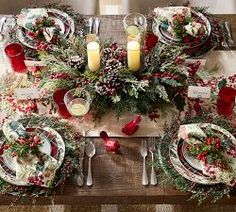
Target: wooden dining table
x=117 y=177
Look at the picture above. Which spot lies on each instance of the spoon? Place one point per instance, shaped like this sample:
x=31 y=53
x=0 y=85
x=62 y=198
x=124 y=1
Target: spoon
x=90 y=152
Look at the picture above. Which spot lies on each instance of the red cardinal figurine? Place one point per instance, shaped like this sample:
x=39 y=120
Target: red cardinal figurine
x=110 y=144
x=132 y=127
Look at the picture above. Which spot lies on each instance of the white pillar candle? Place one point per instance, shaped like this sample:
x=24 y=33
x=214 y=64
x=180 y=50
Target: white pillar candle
x=93 y=53
x=133 y=48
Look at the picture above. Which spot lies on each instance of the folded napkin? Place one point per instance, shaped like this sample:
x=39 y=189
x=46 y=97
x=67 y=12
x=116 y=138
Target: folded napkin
x=226 y=176
x=36 y=170
x=166 y=13
x=194 y=28
x=49 y=33
x=28 y=16
x=191 y=133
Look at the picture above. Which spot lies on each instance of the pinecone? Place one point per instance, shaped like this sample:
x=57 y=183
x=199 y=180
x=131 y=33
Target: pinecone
x=112 y=64
x=110 y=84
x=121 y=55
x=107 y=54
x=76 y=61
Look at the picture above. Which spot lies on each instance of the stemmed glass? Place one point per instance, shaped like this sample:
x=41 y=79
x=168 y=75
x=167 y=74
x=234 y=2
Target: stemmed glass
x=134 y=24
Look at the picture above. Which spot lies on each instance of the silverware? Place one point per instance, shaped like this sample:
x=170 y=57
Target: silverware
x=2 y=21
x=97 y=25
x=143 y=152
x=90 y=22
x=152 y=150
x=80 y=177
x=90 y=152
x=224 y=43
x=229 y=34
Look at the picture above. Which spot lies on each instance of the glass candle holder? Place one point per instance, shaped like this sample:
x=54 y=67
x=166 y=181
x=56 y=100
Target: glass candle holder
x=15 y=53
x=226 y=101
x=77 y=102
x=134 y=24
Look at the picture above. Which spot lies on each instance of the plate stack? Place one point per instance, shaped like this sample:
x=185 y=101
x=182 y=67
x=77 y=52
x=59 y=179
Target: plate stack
x=184 y=27
x=194 y=169
x=61 y=20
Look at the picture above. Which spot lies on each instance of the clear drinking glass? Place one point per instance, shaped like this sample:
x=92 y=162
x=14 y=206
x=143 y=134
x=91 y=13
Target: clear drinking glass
x=78 y=102
x=134 y=24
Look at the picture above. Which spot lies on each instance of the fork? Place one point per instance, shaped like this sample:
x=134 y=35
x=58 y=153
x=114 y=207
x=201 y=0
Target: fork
x=228 y=29
x=152 y=150
x=143 y=152
x=97 y=25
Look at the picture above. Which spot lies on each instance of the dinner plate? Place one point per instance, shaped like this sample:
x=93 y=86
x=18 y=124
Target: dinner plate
x=168 y=38
x=62 y=19
x=52 y=144
x=184 y=168
x=186 y=165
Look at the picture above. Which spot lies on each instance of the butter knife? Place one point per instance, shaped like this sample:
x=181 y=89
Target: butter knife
x=80 y=177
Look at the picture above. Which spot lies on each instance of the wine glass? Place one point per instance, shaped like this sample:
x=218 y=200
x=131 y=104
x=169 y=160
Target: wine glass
x=78 y=102
x=134 y=24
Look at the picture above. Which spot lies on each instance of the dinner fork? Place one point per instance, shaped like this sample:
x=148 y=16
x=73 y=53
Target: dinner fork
x=143 y=152
x=97 y=25
x=228 y=29
x=152 y=150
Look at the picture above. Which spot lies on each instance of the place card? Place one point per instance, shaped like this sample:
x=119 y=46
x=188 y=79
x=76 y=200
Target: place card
x=199 y=92
x=27 y=93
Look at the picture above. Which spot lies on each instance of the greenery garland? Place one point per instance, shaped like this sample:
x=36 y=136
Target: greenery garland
x=199 y=192
x=63 y=173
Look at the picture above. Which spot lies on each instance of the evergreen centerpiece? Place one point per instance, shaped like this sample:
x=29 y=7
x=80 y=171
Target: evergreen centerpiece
x=161 y=81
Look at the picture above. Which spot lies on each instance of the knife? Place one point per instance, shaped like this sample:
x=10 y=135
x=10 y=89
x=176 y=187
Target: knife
x=80 y=177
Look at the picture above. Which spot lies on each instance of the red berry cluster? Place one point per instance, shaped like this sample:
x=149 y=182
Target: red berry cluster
x=166 y=75
x=193 y=68
x=36 y=180
x=232 y=152
x=232 y=79
x=179 y=60
x=202 y=157
x=178 y=18
x=22 y=106
x=210 y=148
x=3 y=148
x=32 y=141
x=43 y=46
x=81 y=82
x=59 y=76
